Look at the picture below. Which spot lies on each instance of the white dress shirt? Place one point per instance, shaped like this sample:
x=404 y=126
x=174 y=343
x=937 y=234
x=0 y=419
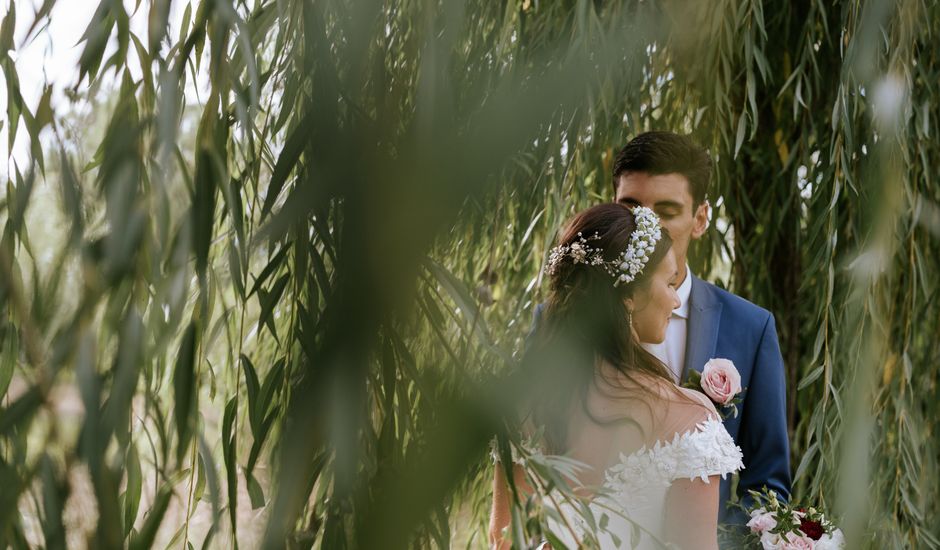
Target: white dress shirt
x=672 y=350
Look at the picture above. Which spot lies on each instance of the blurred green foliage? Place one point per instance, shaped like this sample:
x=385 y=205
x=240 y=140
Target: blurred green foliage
x=285 y=313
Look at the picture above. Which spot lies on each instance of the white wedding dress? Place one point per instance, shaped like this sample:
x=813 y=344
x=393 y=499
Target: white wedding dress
x=629 y=511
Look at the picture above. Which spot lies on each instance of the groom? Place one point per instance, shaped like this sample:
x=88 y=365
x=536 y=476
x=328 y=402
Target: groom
x=670 y=174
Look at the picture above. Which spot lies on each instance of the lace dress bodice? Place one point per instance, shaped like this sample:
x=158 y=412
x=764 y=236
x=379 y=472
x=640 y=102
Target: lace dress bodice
x=633 y=494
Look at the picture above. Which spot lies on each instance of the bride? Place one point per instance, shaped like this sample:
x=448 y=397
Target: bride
x=650 y=452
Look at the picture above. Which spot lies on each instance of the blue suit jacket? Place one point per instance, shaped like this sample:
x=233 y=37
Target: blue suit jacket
x=727 y=326
x=724 y=325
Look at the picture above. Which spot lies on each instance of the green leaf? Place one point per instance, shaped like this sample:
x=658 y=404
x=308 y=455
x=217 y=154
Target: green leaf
x=71 y=193
x=464 y=300
x=96 y=37
x=253 y=388
x=44 y=115
x=255 y=493
x=235 y=269
x=272 y=266
x=15 y=106
x=54 y=494
x=810 y=378
x=233 y=205
x=805 y=461
x=133 y=490
x=270 y=388
x=13 y=484
x=229 y=445
x=7 y=28
x=260 y=439
x=8 y=360
x=157 y=23
x=24 y=190
x=203 y=211
x=319 y=268
x=153 y=519
x=212 y=479
x=185 y=391
x=19 y=414
x=742 y=131
x=126 y=373
x=290 y=155
x=269 y=300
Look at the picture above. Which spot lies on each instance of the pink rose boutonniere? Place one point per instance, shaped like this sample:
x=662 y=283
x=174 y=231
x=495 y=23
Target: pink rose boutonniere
x=721 y=382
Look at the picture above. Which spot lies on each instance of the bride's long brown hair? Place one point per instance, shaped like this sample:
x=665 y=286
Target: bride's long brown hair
x=586 y=320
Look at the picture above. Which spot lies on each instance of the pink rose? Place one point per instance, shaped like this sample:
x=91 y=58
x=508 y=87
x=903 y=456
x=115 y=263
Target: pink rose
x=721 y=381
x=796 y=542
x=761 y=521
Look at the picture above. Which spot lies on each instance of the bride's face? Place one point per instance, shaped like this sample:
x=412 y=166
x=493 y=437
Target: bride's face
x=653 y=307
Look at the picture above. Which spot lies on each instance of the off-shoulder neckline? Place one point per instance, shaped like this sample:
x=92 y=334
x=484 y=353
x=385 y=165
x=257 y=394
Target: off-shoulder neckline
x=701 y=427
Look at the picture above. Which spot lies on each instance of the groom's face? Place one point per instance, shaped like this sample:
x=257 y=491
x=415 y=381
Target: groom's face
x=670 y=196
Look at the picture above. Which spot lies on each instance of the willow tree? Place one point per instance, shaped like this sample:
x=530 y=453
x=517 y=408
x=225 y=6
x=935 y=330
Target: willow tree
x=316 y=297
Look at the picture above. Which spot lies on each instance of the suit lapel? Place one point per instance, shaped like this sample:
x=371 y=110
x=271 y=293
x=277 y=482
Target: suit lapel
x=702 y=336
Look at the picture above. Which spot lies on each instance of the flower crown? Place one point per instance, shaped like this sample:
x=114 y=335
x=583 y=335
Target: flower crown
x=630 y=264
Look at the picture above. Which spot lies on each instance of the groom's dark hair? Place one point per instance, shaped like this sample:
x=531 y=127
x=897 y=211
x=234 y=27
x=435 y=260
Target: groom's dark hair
x=658 y=153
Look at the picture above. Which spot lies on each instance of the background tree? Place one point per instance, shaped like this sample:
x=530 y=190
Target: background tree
x=312 y=299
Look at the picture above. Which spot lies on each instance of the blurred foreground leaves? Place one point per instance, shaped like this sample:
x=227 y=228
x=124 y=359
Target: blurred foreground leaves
x=300 y=290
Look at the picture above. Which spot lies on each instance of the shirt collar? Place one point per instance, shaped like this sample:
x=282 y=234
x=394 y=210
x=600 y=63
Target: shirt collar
x=684 y=291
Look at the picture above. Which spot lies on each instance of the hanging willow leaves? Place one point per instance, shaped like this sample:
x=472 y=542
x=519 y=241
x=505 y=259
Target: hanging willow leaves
x=185 y=391
x=133 y=490
x=19 y=413
x=144 y=538
x=391 y=177
x=55 y=491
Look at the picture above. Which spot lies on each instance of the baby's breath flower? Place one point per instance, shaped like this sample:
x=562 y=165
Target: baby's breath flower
x=629 y=264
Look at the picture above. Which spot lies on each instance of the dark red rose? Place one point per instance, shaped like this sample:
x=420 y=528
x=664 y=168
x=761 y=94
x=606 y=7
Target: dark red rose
x=812 y=529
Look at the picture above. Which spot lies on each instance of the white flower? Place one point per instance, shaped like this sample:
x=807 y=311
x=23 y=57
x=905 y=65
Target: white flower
x=761 y=520
x=642 y=242
x=835 y=541
x=638 y=253
x=577 y=252
x=771 y=541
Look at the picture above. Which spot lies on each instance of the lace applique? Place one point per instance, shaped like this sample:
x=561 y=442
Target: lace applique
x=634 y=493
x=705 y=451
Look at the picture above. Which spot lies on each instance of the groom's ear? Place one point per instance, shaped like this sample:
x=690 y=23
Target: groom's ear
x=700 y=220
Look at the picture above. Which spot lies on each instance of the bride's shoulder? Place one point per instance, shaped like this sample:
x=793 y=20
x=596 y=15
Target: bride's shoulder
x=688 y=413
x=702 y=404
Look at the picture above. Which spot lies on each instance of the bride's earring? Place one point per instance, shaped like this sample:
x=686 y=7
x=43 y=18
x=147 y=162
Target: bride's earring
x=628 y=305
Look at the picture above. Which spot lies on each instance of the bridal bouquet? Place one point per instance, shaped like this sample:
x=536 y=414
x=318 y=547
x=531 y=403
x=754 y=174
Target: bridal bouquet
x=774 y=525
x=721 y=382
